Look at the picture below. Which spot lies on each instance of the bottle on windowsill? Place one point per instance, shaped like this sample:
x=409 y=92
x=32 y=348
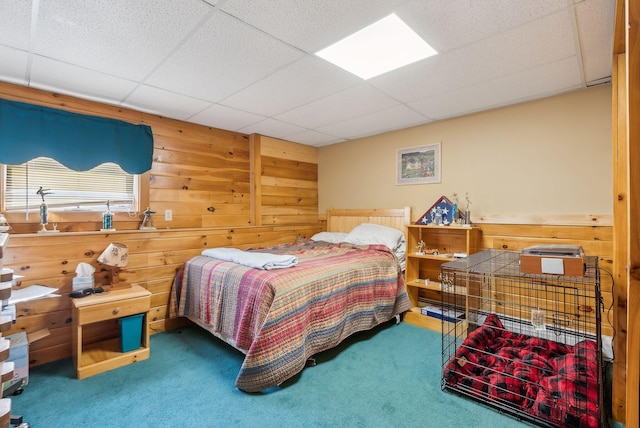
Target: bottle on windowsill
x=107 y=219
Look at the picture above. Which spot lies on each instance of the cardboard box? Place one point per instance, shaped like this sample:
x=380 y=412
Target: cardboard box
x=568 y=266
x=19 y=354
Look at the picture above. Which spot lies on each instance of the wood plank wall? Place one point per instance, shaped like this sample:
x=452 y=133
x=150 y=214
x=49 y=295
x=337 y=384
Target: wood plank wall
x=596 y=240
x=204 y=175
x=626 y=183
x=288 y=189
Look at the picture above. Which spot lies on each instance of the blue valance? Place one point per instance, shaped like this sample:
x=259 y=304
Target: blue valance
x=79 y=142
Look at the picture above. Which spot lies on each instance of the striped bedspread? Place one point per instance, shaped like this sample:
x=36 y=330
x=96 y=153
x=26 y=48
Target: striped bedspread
x=279 y=318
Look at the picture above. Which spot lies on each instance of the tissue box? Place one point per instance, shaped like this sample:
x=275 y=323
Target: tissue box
x=82 y=282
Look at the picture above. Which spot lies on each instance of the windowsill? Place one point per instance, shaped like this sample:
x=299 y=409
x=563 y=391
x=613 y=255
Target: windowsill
x=125 y=231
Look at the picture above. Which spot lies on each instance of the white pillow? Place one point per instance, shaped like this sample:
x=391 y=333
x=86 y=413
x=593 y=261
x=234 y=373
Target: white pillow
x=401 y=254
x=370 y=234
x=401 y=251
x=331 y=237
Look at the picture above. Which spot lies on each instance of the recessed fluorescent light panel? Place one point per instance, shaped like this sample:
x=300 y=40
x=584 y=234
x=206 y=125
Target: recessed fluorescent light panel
x=379 y=48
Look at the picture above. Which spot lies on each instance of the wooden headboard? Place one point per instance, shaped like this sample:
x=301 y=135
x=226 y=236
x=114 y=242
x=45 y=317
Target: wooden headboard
x=345 y=220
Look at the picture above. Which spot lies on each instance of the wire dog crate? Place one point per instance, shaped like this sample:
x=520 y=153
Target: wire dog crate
x=530 y=344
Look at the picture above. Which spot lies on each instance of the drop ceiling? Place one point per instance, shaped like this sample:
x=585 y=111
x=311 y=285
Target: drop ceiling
x=249 y=65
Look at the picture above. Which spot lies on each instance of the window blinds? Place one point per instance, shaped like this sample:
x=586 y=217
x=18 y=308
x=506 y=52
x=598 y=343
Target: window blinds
x=81 y=190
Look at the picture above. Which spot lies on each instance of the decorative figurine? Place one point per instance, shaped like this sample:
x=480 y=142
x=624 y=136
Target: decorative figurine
x=147 y=220
x=468 y=210
x=44 y=211
x=420 y=247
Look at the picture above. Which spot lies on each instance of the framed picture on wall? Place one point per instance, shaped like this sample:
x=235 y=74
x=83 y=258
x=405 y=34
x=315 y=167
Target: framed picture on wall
x=418 y=165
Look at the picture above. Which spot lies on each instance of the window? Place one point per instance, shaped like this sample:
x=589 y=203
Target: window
x=69 y=190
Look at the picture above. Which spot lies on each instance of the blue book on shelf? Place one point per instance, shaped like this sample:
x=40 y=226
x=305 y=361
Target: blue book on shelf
x=450 y=315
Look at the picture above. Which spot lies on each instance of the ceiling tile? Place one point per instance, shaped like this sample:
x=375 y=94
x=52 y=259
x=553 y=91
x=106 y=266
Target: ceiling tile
x=57 y=76
x=153 y=100
x=546 y=40
x=594 y=19
x=311 y=25
x=15 y=24
x=315 y=138
x=297 y=84
x=450 y=24
x=531 y=84
x=14 y=65
x=223 y=57
x=223 y=117
x=353 y=102
x=396 y=117
x=120 y=37
x=272 y=128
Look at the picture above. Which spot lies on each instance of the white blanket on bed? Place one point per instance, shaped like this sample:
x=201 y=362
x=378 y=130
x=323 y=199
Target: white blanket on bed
x=252 y=259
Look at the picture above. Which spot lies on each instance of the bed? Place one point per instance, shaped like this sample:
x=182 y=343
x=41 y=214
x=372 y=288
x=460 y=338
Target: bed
x=281 y=316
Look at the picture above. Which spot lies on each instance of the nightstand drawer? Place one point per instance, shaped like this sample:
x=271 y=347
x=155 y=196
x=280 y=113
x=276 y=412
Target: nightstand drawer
x=112 y=310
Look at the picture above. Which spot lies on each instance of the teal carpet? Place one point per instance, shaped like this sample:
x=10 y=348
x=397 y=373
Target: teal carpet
x=389 y=377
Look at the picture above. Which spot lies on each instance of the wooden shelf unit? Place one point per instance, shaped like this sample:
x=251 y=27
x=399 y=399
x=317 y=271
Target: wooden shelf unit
x=448 y=240
x=93 y=357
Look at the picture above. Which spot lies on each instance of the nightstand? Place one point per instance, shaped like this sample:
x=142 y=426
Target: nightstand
x=96 y=331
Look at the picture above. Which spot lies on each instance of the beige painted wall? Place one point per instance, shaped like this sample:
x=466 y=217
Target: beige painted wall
x=549 y=156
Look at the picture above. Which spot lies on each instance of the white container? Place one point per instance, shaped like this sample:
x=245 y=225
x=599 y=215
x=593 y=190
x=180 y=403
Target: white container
x=82 y=282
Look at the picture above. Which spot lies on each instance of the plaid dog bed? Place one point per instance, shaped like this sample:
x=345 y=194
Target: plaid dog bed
x=546 y=379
